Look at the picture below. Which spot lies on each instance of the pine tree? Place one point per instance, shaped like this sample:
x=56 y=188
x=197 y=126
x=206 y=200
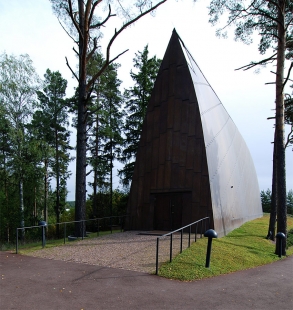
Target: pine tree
x=105 y=127
x=83 y=21
x=136 y=101
x=51 y=121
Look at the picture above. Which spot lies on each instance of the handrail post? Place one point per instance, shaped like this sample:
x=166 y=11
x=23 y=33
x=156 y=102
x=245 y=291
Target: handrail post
x=157 y=256
x=181 y=240
x=98 y=232
x=16 y=250
x=64 y=233
x=171 y=247
x=189 y=236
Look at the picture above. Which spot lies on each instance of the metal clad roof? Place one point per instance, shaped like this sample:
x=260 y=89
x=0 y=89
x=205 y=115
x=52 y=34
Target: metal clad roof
x=233 y=180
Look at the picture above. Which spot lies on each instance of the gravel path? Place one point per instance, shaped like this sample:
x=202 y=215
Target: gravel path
x=127 y=250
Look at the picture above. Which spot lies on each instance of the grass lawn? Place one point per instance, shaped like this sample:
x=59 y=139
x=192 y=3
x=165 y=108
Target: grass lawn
x=243 y=248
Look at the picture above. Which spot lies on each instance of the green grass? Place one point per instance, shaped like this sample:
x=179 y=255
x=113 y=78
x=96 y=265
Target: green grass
x=33 y=246
x=245 y=247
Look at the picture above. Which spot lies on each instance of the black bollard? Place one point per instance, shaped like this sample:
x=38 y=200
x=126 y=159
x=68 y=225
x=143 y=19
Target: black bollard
x=210 y=233
x=43 y=224
x=280 y=236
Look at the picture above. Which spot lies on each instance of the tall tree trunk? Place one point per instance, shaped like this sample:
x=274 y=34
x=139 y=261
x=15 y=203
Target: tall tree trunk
x=273 y=213
x=35 y=207
x=80 y=190
x=57 y=206
x=280 y=130
x=21 y=207
x=96 y=154
x=46 y=192
x=111 y=162
x=111 y=180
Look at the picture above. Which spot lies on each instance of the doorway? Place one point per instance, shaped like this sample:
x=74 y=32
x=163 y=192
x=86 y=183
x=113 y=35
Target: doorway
x=169 y=209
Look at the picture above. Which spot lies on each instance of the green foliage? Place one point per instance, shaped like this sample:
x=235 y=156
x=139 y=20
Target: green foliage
x=104 y=123
x=250 y=16
x=266 y=201
x=289 y=115
x=136 y=102
x=290 y=238
x=265 y=197
x=20 y=156
x=243 y=248
x=34 y=145
x=49 y=126
x=290 y=202
x=103 y=199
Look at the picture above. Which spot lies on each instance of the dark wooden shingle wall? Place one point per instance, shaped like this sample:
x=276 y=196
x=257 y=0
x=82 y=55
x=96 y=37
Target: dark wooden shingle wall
x=170 y=186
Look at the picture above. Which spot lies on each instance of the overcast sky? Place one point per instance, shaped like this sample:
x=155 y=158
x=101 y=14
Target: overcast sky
x=29 y=26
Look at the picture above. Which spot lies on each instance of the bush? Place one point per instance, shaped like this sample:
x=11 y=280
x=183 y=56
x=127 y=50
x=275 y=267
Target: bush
x=290 y=202
x=265 y=197
x=289 y=239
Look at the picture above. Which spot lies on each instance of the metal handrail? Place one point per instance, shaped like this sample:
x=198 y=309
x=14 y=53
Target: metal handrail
x=65 y=223
x=205 y=219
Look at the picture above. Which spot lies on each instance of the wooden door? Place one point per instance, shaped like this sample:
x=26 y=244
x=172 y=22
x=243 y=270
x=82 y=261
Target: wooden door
x=168 y=211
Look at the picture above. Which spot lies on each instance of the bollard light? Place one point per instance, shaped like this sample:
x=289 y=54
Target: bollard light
x=280 y=236
x=210 y=233
x=43 y=224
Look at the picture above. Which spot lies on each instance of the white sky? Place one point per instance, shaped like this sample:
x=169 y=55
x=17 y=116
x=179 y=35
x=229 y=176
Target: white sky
x=29 y=26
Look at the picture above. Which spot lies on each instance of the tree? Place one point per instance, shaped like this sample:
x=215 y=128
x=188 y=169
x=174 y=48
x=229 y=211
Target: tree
x=265 y=197
x=51 y=122
x=83 y=25
x=111 y=121
x=272 y=19
x=5 y=209
x=18 y=85
x=105 y=129
x=136 y=101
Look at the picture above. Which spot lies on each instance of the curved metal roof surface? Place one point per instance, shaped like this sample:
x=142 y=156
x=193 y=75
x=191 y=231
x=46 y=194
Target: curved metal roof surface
x=233 y=181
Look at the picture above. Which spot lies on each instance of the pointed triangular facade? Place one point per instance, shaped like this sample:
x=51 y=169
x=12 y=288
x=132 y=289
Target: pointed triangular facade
x=192 y=161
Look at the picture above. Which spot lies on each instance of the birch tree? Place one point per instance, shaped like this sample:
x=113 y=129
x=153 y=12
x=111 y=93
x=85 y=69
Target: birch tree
x=18 y=85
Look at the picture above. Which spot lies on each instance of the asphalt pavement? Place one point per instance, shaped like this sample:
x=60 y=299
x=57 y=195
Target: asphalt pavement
x=38 y=283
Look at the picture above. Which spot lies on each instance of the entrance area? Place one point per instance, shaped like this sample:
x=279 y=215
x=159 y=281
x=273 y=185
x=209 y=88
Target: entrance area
x=170 y=209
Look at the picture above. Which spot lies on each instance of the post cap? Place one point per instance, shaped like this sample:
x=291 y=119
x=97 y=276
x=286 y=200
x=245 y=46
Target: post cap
x=280 y=235
x=210 y=233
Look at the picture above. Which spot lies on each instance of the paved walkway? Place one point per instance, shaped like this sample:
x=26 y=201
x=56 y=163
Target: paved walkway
x=39 y=283
x=130 y=250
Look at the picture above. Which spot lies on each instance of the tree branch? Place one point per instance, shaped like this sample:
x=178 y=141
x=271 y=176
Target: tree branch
x=93 y=50
x=88 y=173
x=70 y=13
x=98 y=25
x=108 y=61
x=71 y=69
x=261 y=62
x=287 y=78
x=93 y=10
x=289 y=139
x=77 y=53
x=67 y=31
